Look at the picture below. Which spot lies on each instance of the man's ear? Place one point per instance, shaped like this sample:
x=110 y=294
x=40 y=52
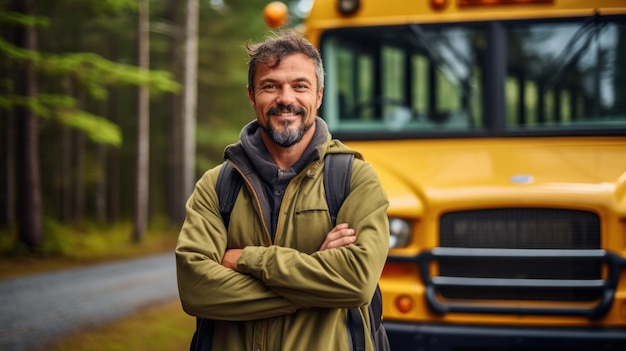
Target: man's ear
x=320 y=94
x=251 y=97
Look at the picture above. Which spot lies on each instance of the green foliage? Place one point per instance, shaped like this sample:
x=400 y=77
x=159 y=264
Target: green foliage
x=17 y=54
x=98 y=129
x=89 y=241
x=14 y=18
x=56 y=242
x=92 y=71
x=96 y=73
x=63 y=108
x=104 y=6
x=7 y=239
x=213 y=140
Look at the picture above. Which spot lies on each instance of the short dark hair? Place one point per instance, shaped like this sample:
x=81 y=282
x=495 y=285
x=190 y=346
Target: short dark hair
x=281 y=44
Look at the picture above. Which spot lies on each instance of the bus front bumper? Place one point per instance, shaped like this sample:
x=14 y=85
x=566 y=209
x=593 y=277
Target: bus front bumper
x=436 y=337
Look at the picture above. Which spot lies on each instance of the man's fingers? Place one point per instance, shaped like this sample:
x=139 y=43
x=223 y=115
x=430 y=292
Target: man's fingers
x=339 y=227
x=339 y=236
x=343 y=241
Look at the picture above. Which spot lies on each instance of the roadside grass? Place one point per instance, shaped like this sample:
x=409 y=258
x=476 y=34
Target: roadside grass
x=160 y=328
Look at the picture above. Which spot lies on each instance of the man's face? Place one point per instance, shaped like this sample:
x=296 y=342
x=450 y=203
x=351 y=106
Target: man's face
x=286 y=98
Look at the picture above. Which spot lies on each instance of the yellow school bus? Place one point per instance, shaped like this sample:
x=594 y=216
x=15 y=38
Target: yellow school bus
x=498 y=128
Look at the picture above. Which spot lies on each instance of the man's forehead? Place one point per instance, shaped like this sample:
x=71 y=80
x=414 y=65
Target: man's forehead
x=304 y=66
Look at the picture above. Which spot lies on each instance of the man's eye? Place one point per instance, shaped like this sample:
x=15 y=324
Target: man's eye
x=269 y=87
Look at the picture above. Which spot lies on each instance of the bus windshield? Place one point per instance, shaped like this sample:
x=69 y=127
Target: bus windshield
x=550 y=77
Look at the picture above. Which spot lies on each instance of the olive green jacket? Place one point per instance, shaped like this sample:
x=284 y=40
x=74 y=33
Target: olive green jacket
x=287 y=295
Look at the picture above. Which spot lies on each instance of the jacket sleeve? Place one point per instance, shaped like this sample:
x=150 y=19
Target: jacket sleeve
x=206 y=288
x=343 y=277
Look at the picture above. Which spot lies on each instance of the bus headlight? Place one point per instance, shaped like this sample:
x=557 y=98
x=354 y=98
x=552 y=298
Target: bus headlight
x=400 y=233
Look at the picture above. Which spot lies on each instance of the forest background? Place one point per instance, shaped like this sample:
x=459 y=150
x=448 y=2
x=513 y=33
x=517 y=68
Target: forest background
x=99 y=102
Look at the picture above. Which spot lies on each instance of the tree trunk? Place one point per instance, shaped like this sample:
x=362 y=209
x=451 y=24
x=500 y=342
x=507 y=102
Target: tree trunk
x=189 y=102
x=113 y=169
x=174 y=200
x=7 y=157
x=7 y=149
x=142 y=180
x=101 y=183
x=79 y=176
x=28 y=178
x=65 y=184
x=80 y=146
x=7 y=188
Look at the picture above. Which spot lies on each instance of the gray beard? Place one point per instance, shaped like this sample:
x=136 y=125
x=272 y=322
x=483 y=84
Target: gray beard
x=289 y=136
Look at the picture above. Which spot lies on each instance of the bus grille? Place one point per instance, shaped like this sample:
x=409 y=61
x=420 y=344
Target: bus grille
x=520 y=232
x=521 y=228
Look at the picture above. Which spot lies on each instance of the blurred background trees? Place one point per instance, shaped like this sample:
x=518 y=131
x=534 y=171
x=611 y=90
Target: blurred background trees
x=72 y=86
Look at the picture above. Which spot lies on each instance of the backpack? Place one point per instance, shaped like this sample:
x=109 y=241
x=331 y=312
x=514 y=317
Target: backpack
x=337 y=188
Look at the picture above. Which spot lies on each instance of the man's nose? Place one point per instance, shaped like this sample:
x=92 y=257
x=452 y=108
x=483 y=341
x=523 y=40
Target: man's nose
x=286 y=96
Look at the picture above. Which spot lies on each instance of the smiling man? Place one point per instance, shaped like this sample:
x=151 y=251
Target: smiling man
x=281 y=275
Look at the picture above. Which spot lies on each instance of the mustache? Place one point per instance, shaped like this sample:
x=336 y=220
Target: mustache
x=275 y=110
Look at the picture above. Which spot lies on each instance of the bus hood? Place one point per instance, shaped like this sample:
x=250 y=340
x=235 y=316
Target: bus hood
x=475 y=172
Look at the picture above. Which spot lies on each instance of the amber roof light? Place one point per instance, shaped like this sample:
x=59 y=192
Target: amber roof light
x=348 y=7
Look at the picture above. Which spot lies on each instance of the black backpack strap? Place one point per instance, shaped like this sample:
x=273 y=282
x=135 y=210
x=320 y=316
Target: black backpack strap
x=203 y=336
x=227 y=187
x=337 y=173
x=356 y=329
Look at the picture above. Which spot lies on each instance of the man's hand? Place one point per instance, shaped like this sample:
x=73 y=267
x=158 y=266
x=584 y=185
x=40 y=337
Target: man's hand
x=230 y=259
x=340 y=236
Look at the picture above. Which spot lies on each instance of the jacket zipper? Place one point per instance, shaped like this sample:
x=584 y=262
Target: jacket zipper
x=258 y=204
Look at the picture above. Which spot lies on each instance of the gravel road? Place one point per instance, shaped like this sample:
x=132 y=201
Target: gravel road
x=37 y=309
